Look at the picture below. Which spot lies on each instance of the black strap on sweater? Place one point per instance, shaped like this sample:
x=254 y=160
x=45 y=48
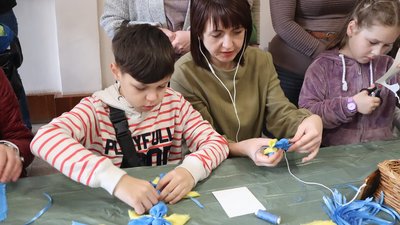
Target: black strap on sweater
x=124 y=138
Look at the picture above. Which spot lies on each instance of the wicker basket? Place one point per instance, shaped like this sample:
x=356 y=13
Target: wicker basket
x=389 y=183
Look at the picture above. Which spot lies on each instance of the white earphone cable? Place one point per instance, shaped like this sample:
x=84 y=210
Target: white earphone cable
x=318 y=184
x=233 y=98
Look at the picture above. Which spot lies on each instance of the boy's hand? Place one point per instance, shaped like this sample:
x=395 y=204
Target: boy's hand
x=308 y=137
x=10 y=164
x=175 y=185
x=137 y=193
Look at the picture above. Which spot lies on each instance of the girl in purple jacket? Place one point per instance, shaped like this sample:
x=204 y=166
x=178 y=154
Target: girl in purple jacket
x=356 y=59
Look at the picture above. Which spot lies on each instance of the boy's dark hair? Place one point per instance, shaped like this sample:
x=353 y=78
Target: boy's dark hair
x=231 y=13
x=368 y=13
x=144 y=52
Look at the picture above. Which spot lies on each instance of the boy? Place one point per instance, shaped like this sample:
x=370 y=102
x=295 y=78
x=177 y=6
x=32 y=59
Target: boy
x=82 y=143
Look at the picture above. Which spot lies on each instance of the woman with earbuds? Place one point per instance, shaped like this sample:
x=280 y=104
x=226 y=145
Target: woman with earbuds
x=236 y=88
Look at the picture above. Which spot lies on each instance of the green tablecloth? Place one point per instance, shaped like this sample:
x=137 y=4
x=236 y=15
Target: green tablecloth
x=275 y=188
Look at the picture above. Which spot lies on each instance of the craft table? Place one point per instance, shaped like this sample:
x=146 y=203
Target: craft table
x=275 y=188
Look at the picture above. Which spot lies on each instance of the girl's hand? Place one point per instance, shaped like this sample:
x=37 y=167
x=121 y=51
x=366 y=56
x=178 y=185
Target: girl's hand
x=366 y=104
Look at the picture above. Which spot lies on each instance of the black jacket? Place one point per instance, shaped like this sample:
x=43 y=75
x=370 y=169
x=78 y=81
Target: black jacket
x=7 y=5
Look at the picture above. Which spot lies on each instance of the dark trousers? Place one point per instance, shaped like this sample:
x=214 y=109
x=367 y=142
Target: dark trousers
x=291 y=84
x=9 y=19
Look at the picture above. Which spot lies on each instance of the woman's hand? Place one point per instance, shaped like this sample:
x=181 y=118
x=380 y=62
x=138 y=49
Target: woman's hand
x=308 y=137
x=253 y=149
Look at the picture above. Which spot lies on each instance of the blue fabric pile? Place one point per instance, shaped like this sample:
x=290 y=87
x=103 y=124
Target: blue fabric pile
x=359 y=212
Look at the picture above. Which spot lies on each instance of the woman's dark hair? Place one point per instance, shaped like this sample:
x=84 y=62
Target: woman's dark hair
x=228 y=13
x=368 y=13
x=144 y=52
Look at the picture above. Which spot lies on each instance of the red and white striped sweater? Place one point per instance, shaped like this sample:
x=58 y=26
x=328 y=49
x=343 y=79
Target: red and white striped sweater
x=82 y=143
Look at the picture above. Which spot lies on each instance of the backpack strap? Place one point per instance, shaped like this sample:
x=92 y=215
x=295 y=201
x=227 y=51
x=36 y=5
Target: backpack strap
x=124 y=138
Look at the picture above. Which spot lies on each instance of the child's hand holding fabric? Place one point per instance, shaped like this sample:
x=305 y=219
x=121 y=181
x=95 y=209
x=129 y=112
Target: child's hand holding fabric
x=137 y=193
x=175 y=185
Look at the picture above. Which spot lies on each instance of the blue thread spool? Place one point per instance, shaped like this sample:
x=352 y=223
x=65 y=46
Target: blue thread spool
x=269 y=217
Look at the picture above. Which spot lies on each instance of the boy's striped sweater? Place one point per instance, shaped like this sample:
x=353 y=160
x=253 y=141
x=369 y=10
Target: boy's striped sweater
x=82 y=143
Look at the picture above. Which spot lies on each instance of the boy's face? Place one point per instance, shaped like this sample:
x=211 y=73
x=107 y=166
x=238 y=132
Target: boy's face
x=143 y=97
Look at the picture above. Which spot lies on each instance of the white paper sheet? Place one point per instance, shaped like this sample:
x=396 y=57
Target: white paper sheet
x=238 y=201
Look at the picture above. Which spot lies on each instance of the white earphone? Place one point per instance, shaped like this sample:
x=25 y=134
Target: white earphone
x=233 y=98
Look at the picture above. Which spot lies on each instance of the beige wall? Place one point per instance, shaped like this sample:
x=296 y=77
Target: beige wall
x=106 y=56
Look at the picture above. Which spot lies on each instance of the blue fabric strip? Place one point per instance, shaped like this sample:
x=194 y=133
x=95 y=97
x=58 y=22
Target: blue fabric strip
x=41 y=212
x=156 y=217
x=3 y=202
x=77 y=223
x=197 y=202
x=358 y=212
x=283 y=144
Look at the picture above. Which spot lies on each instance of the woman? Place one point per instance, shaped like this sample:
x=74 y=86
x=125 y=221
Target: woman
x=171 y=16
x=303 y=29
x=236 y=88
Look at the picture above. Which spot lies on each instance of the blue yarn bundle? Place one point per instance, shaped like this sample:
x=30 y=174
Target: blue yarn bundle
x=156 y=217
x=358 y=212
x=283 y=144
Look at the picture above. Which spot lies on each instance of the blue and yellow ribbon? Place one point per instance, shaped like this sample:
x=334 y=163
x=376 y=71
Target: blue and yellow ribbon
x=274 y=145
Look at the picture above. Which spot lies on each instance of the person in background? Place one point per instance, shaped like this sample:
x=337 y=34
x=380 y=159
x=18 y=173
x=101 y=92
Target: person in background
x=171 y=16
x=84 y=145
x=235 y=86
x=303 y=30
x=15 y=155
x=7 y=15
x=356 y=59
x=12 y=59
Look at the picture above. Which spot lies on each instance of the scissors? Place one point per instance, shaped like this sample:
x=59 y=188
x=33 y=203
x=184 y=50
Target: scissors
x=374 y=92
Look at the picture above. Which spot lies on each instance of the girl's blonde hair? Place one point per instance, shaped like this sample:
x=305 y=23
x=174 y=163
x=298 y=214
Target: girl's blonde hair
x=368 y=13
